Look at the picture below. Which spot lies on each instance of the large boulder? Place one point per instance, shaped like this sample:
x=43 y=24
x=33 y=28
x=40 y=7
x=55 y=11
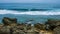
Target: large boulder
x=7 y=20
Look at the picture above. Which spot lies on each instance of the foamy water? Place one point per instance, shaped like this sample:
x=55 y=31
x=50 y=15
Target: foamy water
x=52 y=12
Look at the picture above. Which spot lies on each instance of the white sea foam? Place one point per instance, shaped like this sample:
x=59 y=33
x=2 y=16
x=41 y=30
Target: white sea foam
x=52 y=12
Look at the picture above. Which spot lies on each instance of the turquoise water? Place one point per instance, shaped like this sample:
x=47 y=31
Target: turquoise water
x=26 y=11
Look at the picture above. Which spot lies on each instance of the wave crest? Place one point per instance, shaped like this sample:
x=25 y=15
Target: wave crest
x=52 y=12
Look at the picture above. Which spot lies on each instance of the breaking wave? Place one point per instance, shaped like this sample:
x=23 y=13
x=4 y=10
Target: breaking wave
x=52 y=12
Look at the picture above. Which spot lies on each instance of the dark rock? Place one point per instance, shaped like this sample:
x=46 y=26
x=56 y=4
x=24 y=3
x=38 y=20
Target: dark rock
x=51 y=24
x=29 y=27
x=57 y=30
x=4 y=30
x=7 y=20
x=39 y=26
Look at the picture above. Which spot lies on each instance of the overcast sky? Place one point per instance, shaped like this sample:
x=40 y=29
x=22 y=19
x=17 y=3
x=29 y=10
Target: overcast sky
x=29 y=1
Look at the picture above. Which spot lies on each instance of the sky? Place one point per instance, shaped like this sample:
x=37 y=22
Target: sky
x=29 y=1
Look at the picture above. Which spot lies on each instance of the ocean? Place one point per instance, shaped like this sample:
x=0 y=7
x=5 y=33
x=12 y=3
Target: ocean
x=24 y=12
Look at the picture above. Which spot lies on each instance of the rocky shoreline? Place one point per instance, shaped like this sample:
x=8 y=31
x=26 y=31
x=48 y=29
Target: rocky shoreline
x=10 y=26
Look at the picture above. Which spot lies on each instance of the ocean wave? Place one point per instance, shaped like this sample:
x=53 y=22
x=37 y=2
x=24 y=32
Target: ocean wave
x=18 y=9
x=52 y=12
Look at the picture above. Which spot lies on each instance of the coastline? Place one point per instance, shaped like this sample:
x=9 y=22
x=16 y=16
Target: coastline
x=10 y=25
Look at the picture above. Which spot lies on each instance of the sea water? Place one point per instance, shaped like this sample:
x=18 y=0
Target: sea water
x=24 y=12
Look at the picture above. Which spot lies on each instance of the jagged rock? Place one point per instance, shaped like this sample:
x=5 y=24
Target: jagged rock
x=39 y=26
x=46 y=32
x=7 y=20
x=5 y=30
x=57 y=30
x=51 y=24
x=29 y=27
x=21 y=26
